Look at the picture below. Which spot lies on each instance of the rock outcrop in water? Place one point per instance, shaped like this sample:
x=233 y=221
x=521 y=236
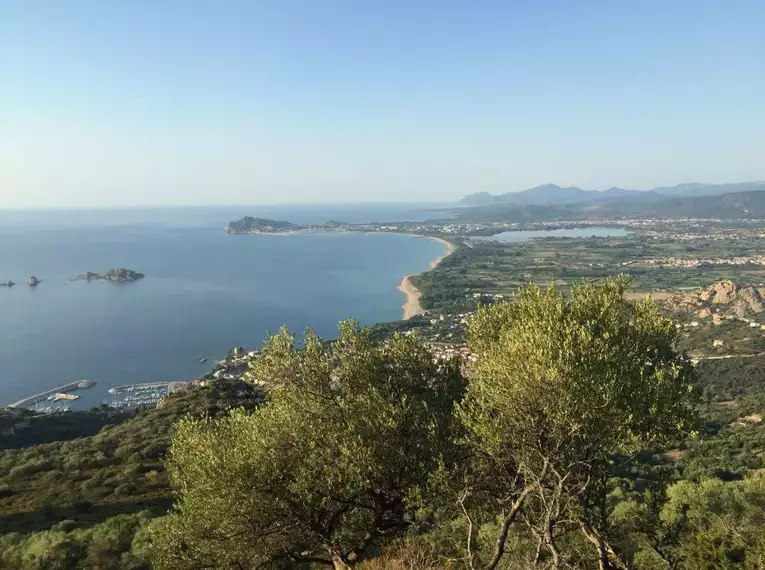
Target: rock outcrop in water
x=33 y=281
x=117 y=274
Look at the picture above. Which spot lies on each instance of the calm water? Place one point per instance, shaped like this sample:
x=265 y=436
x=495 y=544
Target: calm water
x=204 y=291
x=593 y=231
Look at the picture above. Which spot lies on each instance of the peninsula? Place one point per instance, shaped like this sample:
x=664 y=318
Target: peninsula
x=250 y=225
x=117 y=274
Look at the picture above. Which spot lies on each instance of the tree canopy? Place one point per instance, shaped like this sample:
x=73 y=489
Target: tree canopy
x=337 y=461
x=560 y=388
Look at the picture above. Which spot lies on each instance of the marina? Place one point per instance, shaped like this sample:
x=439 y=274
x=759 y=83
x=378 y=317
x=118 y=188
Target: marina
x=148 y=394
x=125 y=396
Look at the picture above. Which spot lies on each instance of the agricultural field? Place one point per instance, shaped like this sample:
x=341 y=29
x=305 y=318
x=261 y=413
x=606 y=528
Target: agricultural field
x=659 y=263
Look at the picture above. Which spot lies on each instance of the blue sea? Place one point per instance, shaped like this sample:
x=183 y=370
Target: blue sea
x=204 y=291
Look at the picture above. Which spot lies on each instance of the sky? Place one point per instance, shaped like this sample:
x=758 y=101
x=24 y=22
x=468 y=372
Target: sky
x=184 y=102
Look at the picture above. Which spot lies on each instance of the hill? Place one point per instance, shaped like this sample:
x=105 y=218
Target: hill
x=551 y=194
x=85 y=467
x=250 y=225
x=696 y=189
x=739 y=205
x=20 y=428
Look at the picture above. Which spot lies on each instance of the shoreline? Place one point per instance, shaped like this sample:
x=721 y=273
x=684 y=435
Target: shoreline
x=412 y=305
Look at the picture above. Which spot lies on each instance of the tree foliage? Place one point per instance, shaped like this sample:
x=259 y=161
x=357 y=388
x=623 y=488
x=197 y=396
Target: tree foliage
x=560 y=387
x=115 y=544
x=720 y=524
x=337 y=461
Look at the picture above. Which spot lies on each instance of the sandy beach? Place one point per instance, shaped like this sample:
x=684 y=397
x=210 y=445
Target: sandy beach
x=412 y=305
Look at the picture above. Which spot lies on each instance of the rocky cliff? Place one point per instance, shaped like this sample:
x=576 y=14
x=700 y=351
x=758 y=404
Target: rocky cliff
x=723 y=298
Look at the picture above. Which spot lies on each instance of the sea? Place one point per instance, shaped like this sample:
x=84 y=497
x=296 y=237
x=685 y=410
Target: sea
x=204 y=291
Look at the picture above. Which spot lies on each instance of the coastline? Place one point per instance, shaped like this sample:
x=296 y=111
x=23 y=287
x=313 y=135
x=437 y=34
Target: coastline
x=412 y=305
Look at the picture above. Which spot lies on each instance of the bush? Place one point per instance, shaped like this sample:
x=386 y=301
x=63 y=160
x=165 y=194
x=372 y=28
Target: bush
x=82 y=506
x=47 y=510
x=30 y=468
x=125 y=490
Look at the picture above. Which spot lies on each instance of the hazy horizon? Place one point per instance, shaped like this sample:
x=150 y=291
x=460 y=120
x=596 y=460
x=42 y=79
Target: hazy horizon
x=416 y=204
x=240 y=103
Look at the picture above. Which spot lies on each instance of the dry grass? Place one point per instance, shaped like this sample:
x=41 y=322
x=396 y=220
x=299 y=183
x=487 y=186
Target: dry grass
x=409 y=556
x=673 y=455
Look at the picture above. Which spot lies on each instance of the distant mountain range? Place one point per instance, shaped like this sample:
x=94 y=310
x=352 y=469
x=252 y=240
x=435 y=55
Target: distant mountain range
x=729 y=205
x=551 y=194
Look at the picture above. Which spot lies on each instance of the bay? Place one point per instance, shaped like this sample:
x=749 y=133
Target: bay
x=204 y=291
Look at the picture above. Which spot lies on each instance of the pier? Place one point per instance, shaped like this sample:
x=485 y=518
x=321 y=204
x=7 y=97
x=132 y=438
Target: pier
x=32 y=400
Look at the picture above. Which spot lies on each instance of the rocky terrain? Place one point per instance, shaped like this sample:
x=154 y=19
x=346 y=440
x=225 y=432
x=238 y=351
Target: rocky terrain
x=117 y=274
x=720 y=300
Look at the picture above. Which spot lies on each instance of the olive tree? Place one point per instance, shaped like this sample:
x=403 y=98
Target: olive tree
x=337 y=461
x=560 y=386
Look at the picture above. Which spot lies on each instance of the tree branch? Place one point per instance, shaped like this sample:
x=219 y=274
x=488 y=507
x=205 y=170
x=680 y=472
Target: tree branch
x=499 y=549
x=461 y=501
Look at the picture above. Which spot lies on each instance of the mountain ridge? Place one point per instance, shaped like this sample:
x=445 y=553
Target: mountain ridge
x=552 y=194
x=734 y=205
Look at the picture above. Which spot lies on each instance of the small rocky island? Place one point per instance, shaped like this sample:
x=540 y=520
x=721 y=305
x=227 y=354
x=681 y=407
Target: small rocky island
x=250 y=225
x=117 y=274
x=33 y=281
x=8 y=283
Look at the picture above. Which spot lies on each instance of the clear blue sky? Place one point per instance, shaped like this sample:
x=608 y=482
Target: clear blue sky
x=130 y=102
